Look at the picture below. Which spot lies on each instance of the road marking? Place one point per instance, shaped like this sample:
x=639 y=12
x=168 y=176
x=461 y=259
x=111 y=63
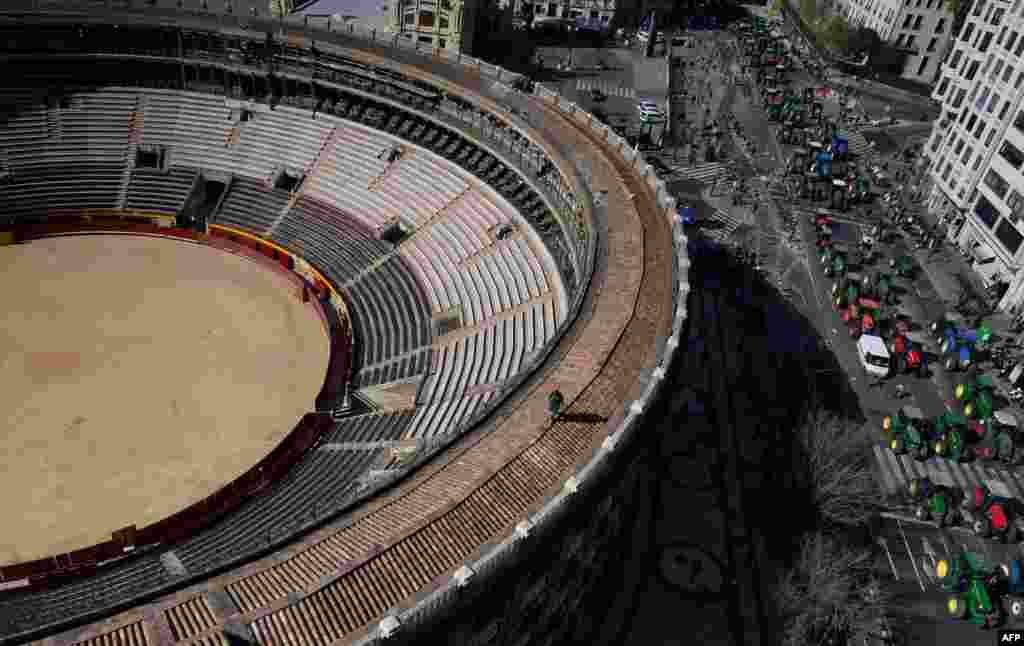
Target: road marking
x=892 y=564
x=938 y=477
x=910 y=553
x=929 y=553
x=884 y=457
x=999 y=488
x=945 y=545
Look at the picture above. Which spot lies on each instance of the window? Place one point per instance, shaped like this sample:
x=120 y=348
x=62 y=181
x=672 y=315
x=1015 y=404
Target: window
x=1004 y=110
x=409 y=18
x=899 y=41
x=1002 y=34
x=966 y=157
x=910 y=41
x=939 y=26
x=988 y=139
x=944 y=85
x=1020 y=79
x=917 y=22
x=442 y=22
x=985 y=211
x=961 y=93
x=980 y=129
x=426 y=19
x=992 y=103
x=1020 y=47
x=996 y=69
x=980 y=102
x=1016 y=203
x=931 y=44
x=1018 y=123
x=971 y=71
x=967 y=32
x=1011 y=40
x=442 y=43
x=906 y=21
x=1007 y=73
x=997 y=16
x=1013 y=156
x=1009 y=236
x=971 y=122
x=985 y=42
x=959 y=146
x=977 y=162
x=945 y=171
x=988 y=64
x=426 y=39
x=995 y=181
x=953 y=62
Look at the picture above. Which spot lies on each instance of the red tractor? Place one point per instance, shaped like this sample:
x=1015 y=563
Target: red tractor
x=907 y=356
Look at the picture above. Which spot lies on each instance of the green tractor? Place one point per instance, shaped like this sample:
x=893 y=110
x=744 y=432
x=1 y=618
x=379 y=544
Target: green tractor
x=879 y=285
x=977 y=396
x=936 y=503
x=903 y=266
x=846 y=291
x=1003 y=437
x=952 y=432
x=975 y=589
x=838 y=265
x=908 y=431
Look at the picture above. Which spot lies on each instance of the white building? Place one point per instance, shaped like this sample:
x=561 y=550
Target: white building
x=603 y=10
x=977 y=146
x=922 y=28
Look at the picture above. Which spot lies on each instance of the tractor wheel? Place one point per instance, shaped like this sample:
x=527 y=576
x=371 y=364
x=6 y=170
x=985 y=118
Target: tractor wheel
x=901 y=364
x=921 y=513
x=947 y=346
x=897 y=446
x=922 y=453
x=982 y=527
x=1015 y=606
x=969 y=410
x=956 y=607
x=950 y=364
x=965 y=364
x=935 y=327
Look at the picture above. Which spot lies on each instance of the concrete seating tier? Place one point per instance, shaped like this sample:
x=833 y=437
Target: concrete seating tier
x=375 y=427
x=159 y=190
x=39 y=189
x=325 y=478
x=251 y=205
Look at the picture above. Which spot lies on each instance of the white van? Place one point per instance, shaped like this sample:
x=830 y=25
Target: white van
x=873 y=354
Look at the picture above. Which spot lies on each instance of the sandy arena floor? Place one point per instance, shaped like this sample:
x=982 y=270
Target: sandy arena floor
x=139 y=375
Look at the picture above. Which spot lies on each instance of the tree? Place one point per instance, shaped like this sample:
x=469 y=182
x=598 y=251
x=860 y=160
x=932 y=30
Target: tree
x=830 y=595
x=835 y=33
x=809 y=11
x=834 y=469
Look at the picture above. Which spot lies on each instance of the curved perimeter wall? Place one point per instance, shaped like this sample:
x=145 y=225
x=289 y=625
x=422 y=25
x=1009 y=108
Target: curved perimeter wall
x=568 y=542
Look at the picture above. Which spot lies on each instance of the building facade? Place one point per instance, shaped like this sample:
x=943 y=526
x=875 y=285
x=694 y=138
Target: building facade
x=976 y=149
x=603 y=10
x=921 y=28
x=444 y=24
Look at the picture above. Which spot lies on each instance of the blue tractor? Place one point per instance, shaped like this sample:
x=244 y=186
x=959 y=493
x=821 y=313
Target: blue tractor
x=957 y=345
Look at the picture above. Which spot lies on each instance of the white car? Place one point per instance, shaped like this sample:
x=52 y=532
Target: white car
x=873 y=355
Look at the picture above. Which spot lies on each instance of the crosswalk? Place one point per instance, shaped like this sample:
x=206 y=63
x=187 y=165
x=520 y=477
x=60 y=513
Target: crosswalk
x=608 y=87
x=728 y=225
x=705 y=172
x=896 y=472
x=859 y=145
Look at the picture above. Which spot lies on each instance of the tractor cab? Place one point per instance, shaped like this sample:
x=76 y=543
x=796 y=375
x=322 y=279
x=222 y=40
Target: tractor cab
x=952 y=432
x=903 y=265
x=936 y=503
x=976 y=396
x=1002 y=431
x=908 y=431
x=974 y=589
x=993 y=516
